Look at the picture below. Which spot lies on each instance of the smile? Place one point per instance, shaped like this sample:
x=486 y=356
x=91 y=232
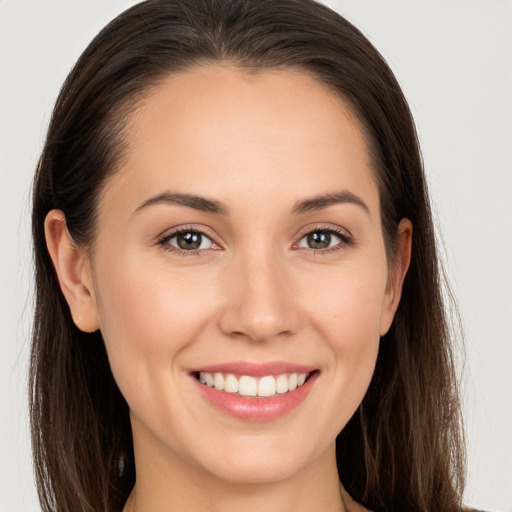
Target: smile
x=248 y=386
x=255 y=391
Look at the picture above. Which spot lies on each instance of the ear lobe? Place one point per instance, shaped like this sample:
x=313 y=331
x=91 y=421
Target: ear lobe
x=73 y=270
x=397 y=272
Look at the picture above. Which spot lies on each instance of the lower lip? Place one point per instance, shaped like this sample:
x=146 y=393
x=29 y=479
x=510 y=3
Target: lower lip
x=257 y=409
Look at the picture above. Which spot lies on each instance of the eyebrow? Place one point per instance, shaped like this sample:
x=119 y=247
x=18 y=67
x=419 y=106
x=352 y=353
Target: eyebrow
x=189 y=200
x=218 y=208
x=325 y=200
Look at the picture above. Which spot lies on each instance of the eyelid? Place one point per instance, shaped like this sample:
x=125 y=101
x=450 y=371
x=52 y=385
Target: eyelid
x=346 y=237
x=163 y=240
x=168 y=234
x=334 y=228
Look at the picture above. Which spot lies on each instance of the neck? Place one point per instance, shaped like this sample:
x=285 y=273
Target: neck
x=166 y=482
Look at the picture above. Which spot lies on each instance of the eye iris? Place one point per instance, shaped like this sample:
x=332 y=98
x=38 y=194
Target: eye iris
x=189 y=241
x=319 y=240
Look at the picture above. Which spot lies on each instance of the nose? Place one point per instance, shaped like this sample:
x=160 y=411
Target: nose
x=260 y=300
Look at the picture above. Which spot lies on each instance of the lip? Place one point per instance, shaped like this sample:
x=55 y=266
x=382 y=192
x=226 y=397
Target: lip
x=256 y=369
x=254 y=409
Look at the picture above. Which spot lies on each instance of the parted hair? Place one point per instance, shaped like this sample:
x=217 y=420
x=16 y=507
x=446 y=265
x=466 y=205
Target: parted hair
x=403 y=448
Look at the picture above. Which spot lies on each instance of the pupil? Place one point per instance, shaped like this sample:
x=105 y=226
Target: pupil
x=319 y=240
x=189 y=240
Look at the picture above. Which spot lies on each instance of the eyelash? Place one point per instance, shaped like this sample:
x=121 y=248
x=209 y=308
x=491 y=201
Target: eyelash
x=164 y=241
x=346 y=240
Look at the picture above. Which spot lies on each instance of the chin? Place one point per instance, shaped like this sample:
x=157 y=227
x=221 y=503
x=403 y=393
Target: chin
x=262 y=463
x=254 y=473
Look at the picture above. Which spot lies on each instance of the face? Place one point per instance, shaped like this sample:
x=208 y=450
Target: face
x=240 y=244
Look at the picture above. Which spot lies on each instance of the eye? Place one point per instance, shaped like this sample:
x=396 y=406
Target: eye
x=322 y=239
x=188 y=240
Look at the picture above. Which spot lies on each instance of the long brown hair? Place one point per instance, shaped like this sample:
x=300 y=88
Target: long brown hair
x=402 y=450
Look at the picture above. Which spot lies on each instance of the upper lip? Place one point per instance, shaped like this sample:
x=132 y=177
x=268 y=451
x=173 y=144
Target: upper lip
x=255 y=369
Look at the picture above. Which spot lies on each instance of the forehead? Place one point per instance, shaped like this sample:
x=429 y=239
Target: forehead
x=234 y=134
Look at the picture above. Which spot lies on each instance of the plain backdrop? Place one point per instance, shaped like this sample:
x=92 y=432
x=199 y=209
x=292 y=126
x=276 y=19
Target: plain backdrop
x=454 y=61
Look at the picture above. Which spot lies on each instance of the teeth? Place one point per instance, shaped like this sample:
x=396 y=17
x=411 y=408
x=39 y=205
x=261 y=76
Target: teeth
x=219 y=381
x=246 y=385
x=267 y=386
x=282 y=384
x=209 y=379
x=231 y=384
x=292 y=382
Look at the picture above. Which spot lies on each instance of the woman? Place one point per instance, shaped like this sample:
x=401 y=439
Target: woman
x=238 y=294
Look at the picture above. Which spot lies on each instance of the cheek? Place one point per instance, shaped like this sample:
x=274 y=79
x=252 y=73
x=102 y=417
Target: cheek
x=149 y=298
x=348 y=303
x=148 y=317
x=358 y=319
x=348 y=317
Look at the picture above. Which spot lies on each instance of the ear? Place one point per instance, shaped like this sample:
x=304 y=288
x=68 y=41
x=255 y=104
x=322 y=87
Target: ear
x=397 y=271
x=73 y=270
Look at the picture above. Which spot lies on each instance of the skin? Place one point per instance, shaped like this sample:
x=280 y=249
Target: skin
x=259 y=144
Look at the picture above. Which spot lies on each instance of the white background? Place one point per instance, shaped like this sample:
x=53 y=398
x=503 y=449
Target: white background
x=454 y=61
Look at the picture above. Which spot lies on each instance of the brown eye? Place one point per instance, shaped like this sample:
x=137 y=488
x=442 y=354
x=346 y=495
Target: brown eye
x=321 y=239
x=190 y=241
